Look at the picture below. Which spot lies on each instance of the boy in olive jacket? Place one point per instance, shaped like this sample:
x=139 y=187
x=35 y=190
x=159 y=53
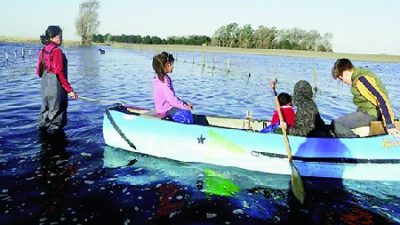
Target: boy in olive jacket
x=369 y=95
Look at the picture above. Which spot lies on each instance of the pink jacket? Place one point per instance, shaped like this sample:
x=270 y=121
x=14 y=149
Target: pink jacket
x=164 y=96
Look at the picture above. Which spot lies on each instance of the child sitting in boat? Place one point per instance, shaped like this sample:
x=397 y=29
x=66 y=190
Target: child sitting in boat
x=285 y=101
x=165 y=100
x=308 y=121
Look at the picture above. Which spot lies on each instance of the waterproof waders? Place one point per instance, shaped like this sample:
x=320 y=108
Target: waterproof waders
x=53 y=113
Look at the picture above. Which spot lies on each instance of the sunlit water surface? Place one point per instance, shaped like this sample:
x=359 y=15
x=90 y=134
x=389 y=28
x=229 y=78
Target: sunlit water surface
x=77 y=179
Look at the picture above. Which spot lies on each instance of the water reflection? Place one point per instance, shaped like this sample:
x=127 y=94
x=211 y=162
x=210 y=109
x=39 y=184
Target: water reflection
x=171 y=202
x=54 y=173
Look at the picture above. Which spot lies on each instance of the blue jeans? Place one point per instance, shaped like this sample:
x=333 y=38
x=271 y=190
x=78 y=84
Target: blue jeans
x=342 y=126
x=270 y=128
x=181 y=115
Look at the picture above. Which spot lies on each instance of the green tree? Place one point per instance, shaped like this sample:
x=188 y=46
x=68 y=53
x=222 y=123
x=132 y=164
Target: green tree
x=139 y=39
x=326 y=41
x=171 y=40
x=232 y=33
x=87 y=22
x=98 y=38
x=124 y=38
x=311 y=39
x=260 y=37
x=245 y=39
x=296 y=37
x=131 y=39
x=146 y=40
x=108 y=38
x=220 y=37
x=264 y=37
x=155 y=40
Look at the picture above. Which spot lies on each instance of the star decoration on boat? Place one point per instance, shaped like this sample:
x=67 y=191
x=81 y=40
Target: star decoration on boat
x=201 y=139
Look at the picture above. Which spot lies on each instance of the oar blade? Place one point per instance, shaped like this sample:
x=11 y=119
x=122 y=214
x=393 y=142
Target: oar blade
x=297 y=184
x=296 y=181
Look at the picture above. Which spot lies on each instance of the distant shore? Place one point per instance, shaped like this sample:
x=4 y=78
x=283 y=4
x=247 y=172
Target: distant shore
x=277 y=52
x=191 y=48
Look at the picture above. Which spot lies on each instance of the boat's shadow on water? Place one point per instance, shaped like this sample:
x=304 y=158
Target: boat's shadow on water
x=184 y=196
x=327 y=200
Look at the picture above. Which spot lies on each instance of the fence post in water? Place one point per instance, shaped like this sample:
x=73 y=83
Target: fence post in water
x=203 y=60
x=213 y=61
x=6 y=56
x=249 y=67
x=315 y=89
x=15 y=53
x=193 y=59
x=23 y=53
x=228 y=65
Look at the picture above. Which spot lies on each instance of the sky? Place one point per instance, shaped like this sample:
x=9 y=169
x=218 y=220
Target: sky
x=358 y=26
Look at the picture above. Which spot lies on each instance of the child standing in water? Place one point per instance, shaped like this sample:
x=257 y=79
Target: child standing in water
x=165 y=100
x=52 y=68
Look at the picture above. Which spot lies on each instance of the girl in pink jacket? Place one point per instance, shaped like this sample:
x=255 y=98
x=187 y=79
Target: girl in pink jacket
x=165 y=100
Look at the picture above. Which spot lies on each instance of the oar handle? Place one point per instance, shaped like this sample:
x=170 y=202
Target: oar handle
x=100 y=100
x=278 y=108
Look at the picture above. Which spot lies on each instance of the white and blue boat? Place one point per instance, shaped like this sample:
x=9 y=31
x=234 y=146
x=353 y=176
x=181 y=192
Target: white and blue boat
x=234 y=142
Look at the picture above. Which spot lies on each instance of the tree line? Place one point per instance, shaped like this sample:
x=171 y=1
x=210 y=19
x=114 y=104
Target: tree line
x=231 y=35
x=234 y=36
x=138 y=39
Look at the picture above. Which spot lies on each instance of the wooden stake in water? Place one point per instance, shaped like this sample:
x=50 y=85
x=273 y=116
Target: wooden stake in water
x=15 y=53
x=315 y=89
x=213 y=61
x=249 y=68
x=228 y=65
x=203 y=60
x=23 y=53
x=6 y=56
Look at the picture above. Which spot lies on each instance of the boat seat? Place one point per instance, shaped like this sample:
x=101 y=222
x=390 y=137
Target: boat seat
x=154 y=115
x=376 y=127
x=362 y=131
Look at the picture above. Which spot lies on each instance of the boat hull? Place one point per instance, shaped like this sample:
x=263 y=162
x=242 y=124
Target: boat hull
x=372 y=158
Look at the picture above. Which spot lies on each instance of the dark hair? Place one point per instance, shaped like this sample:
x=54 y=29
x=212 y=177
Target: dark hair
x=340 y=66
x=159 y=62
x=50 y=32
x=284 y=98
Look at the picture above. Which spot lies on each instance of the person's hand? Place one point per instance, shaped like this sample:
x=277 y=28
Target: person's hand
x=272 y=84
x=283 y=125
x=189 y=105
x=395 y=132
x=73 y=95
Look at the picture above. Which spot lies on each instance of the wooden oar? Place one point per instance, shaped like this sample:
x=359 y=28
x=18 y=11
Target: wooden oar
x=296 y=181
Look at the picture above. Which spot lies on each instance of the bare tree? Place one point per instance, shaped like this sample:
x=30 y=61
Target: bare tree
x=87 y=23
